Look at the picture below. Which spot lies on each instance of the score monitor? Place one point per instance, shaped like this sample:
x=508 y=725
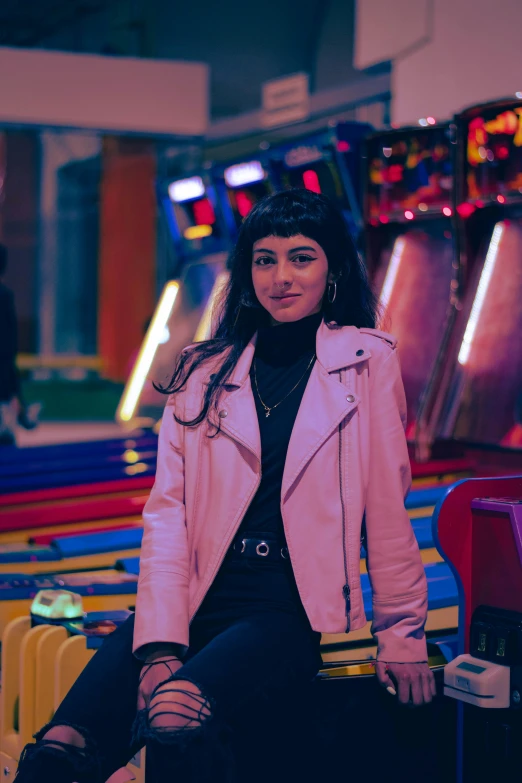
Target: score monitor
x=409 y=174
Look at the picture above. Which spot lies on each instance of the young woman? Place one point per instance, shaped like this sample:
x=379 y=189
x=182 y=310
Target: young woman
x=282 y=446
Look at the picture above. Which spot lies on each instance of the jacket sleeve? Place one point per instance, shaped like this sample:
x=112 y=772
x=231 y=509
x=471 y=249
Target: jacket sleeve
x=395 y=568
x=162 y=613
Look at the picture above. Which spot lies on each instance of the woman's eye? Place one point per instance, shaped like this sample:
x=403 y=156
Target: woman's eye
x=263 y=261
x=302 y=259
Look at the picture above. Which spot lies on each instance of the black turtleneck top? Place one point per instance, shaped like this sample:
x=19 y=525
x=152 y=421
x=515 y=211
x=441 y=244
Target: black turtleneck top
x=282 y=359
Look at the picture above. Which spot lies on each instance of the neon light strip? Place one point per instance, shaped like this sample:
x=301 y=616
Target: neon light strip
x=203 y=331
x=480 y=296
x=391 y=274
x=147 y=352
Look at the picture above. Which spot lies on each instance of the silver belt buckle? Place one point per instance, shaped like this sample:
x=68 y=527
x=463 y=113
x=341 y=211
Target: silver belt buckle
x=266 y=549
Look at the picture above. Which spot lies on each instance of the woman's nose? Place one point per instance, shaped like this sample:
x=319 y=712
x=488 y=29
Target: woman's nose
x=282 y=276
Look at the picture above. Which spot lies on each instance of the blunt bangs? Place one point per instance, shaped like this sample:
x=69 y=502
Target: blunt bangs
x=289 y=213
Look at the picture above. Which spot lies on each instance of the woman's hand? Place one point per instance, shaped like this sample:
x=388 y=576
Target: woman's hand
x=411 y=681
x=156 y=669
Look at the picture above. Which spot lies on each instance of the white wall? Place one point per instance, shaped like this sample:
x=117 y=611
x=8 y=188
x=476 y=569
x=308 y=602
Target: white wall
x=106 y=93
x=447 y=54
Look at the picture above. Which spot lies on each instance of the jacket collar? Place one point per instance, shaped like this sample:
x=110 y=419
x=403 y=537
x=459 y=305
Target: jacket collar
x=337 y=347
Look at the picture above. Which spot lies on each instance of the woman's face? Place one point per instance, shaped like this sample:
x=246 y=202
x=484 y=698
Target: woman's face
x=290 y=275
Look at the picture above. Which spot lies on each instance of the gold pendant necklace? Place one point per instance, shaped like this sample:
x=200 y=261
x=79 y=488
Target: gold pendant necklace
x=269 y=409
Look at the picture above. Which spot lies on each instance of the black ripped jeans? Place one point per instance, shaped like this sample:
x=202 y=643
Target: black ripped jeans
x=251 y=651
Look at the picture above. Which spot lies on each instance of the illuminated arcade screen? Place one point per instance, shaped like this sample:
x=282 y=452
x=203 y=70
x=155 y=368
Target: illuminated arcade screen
x=246 y=183
x=192 y=210
x=311 y=166
x=409 y=170
x=494 y=154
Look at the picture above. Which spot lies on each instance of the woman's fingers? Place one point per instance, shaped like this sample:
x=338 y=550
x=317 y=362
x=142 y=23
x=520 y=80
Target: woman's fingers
x=427 y=679
x=414 y=682
x=153 y=674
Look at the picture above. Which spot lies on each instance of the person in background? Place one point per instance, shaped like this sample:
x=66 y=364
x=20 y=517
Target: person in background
x=13 y=408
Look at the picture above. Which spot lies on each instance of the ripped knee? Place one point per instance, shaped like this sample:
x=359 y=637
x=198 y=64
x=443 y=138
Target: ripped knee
x=178 y=705
x=64 y=736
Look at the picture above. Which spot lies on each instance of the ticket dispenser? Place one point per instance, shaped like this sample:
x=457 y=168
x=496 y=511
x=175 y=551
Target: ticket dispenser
x=479 y=531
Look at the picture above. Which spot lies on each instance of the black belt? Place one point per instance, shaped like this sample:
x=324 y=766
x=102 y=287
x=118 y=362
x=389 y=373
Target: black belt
x=260 y=547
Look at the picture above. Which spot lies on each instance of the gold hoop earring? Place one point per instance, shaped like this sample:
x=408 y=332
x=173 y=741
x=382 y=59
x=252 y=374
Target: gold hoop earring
x=331 y=298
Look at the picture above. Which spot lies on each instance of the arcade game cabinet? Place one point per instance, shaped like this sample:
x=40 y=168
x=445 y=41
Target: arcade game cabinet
x=239 y=185
x=327 y=162
x=409 y=245
x=200 y=243
x=477 y=395
x=478 y=529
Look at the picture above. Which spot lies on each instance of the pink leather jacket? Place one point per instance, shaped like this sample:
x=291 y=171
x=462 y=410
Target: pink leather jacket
x=204 y=486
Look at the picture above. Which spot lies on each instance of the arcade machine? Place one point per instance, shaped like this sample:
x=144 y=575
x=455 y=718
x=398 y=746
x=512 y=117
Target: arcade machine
x=476 y=396
x=239 y=185
x=200 y=242
x=327 y=162
x=478 y=529
x=409 y=245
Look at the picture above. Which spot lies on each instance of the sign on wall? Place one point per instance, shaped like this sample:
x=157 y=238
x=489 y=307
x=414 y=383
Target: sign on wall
x=285 y=100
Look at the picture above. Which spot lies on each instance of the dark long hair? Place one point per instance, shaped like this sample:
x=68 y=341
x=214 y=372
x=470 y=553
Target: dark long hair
x=238 y=311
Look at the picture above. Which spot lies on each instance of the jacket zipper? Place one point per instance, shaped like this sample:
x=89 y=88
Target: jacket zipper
x=346 y=586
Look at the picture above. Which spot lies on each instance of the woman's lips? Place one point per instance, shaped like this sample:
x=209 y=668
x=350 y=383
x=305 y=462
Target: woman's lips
x=285 y=298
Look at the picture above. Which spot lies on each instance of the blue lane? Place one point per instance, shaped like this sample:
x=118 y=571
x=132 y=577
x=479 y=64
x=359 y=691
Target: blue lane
x=19 y=586
x=10 y=454
x=96 y=543
x=85 y=462
x=131 y=565
x=418 y=498
x=74 y=546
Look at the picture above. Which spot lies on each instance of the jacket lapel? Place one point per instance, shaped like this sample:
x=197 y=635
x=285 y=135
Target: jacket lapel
x=325 y=404
x=237 y=409
x=326 y=401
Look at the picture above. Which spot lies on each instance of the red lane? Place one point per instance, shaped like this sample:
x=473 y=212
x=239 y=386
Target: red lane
x=441 y=467
x=78 y=490
x=87 y=510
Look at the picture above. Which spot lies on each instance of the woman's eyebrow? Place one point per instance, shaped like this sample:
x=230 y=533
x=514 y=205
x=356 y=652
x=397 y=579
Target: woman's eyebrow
x=292 y=249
